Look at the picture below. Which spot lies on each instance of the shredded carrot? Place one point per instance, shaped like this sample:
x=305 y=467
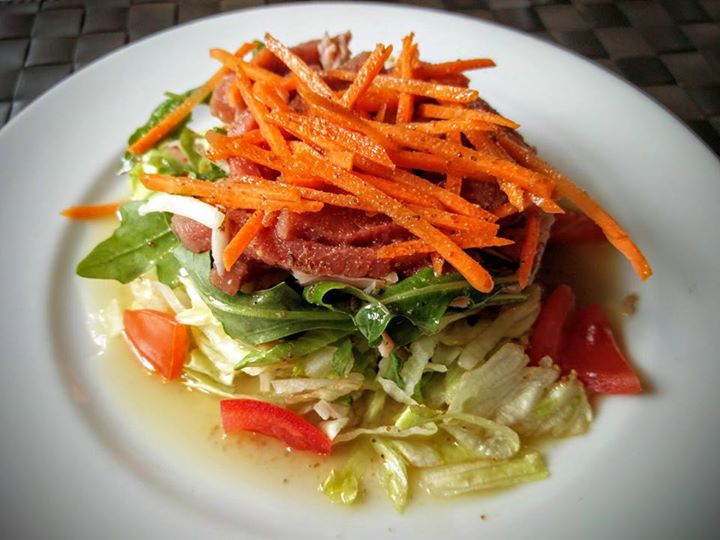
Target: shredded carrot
x=381 y=113
x=242 y=239
x=476 y=275
x=90 y=211
x=273 y=97
x=615 y=234
x=429 y=110
x=341 y=158
x=443 y=69
x=453 y=182
x=529 y=247
x=403 y=192
x=502 y=169
x=440 y=127
x=414 y=247
x=172 y=119
x=314 y=129
x=406 y=102
x=256 y=73
x=442 y=92
x=223 y=147
x=295 y=64
x=366 y=74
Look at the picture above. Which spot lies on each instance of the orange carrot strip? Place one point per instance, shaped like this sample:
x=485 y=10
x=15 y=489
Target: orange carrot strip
x=615 y=234
x=453 y=182
x=366 y=74
x=341 y=158
x=505 y=210
x=440 y=92
x=343 y=117
x=450 y=200
x=441 y=127
x=476 y=275
x=273 y=97
x=381 y=113
x=547 y=205
x=174 y=117
x=242 y=239
x=529 y=247
x=310 y=128
x=223 y=147
x=403 y=192
x=374 y=100
x=414 y=247
x=443 y=69
x=406 y=102
x=430 y=110
x=502 y=169
x=254 y=72
x=448 y=220
x=295 y=64
x=90 y=211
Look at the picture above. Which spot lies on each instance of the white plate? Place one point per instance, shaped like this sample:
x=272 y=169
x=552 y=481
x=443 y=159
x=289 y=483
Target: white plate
x=648 y=468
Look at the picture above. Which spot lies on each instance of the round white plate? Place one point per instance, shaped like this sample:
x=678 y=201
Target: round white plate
x=649 y=468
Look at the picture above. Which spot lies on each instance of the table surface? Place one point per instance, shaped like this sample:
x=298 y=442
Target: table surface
x=668 y=48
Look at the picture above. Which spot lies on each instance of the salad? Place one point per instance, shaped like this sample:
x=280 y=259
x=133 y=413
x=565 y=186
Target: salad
x=350 y=257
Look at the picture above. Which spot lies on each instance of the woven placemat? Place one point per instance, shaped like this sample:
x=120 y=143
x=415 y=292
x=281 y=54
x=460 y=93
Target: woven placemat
x=669 y=48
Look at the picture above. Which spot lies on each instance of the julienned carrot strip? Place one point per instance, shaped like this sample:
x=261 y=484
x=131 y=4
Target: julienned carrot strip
x=502 y=169
x=174 y=117
x=295 y=64
x=453 y=182
x=307 y=128
x=92 y=211
x=374 y=100
x=381 y=113
x=273 y=97
x=505 y=210
x=431 y=71
x=413 y=247
x=242 y=239
x=341 y=158
x=406 y=101
x=256 y=73
x=446 y=112
x=476 y=275
x=448 y=220
x=343 y=117
x=223 y=147
x=615 y=234
x=450 y=200
x=257 y=188
x=440 y=92
x=366 y=74
x=547 y=205
x=403 y=192
x=529 y=247
x=440 y=127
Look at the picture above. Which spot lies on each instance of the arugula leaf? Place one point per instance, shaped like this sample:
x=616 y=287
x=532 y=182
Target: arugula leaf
x=135 y=247
x=261 y=317
x=342 y=357
x=371 y=319
x=199 y=166
x=307 y=343
x=168 y=270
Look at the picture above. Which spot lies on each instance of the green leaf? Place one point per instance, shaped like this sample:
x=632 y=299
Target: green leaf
x=135 y=247
x=342 y=357
x=160 y=112
x=168 y=270
x=199 y=166
x=306 y=344
x=263 y=316
x=371 y=319
x=392 y=371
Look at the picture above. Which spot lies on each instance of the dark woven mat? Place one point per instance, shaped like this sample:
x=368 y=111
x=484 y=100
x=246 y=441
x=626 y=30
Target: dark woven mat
x=669 y=48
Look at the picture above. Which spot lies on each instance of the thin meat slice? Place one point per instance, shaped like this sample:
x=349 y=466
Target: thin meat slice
x=193 y=235
x=221 y=105
x=334 y=51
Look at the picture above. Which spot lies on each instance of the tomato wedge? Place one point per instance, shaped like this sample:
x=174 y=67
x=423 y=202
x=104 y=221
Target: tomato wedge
x=574 y=227
x=591 y=350
x=274 y=421
x=158 y=339
x=548 y=333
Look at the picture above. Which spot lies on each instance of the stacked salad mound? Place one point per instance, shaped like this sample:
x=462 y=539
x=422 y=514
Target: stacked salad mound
x=350 y=258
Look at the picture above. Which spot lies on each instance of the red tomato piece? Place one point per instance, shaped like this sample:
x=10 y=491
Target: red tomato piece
x=158 y=339
x=548 y=333
x=574 y=227
x=274 y=421
x=591 y=350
